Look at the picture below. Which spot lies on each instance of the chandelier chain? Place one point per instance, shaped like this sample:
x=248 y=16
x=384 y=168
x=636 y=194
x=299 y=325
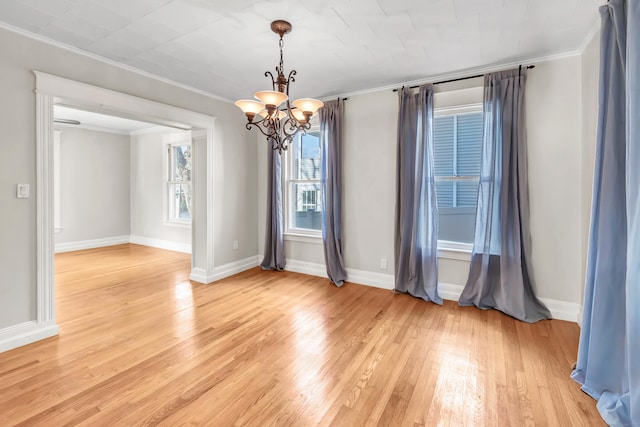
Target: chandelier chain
x=281 y=43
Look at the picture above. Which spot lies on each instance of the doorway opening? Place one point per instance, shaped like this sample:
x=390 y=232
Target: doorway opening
x=120 y=181
x=53 y=90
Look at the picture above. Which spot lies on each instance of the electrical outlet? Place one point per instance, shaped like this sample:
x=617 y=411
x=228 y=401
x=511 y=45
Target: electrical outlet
x=383 y=264
x=235 y=244
x=22 y=191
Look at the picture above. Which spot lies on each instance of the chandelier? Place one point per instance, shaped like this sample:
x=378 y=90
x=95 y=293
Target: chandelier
x=279 y=121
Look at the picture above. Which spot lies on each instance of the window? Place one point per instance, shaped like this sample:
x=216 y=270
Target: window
x=179 y=183
x=304 y=194
x=457 y=156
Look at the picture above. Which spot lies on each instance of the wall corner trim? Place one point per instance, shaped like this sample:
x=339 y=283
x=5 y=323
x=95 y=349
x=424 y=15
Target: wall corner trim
x=198 y=275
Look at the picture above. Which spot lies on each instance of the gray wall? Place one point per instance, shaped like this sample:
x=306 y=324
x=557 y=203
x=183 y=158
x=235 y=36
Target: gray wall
x=235 y=160
x=589 y=90
x=94 y=184
x=555 y=178
x=148 y=189
x=114 y=185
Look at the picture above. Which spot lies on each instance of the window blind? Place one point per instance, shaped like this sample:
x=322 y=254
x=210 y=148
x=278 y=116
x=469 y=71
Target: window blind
x=457 y=152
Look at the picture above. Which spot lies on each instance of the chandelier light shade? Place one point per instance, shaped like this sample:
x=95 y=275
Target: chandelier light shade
x=250 y=107
x=299 y=115
x=308 y=105
x=271 y=97
x=278 y=120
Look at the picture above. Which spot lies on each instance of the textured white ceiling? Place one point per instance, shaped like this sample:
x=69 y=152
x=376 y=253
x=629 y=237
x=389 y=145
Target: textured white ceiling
x=337 y=46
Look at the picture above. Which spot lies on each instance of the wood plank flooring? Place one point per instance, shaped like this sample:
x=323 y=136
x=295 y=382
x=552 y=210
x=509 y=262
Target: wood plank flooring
x=140 y=344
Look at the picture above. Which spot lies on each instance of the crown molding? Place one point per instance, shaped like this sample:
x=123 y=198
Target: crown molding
x=593 y=30
x=458 y=74
x=47 y=40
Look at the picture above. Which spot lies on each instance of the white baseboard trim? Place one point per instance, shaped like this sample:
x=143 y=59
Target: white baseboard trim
x=450 y=291
x=90 y=244
x=119 y=240
x=370 y=278
x=304 y=267
x=580 y=315
x=25 y=333
x=161 y=244
x=560 y=310
x=232 y=268
x=563 y=310
x=200 y=275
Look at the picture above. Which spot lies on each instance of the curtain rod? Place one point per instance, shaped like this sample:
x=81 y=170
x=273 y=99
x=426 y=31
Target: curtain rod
x=528 y=67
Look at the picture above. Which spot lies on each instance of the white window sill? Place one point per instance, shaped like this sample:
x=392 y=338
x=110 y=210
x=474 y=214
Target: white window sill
x=179 y=224
x=303 y=238
x=454 y=250
x=57 y=229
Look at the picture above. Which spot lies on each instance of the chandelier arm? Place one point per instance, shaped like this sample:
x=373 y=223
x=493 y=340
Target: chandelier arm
x=280 y=138
x=289 y=111
x=292 y=127
x=259 y=125
x=286 y=142
x=290 y=79
x=273 y=80
x=275 y=128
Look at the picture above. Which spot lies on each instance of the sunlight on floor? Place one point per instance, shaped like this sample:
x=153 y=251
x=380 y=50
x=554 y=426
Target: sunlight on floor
x=185 y=308
x=458 y=373
x=310 y=340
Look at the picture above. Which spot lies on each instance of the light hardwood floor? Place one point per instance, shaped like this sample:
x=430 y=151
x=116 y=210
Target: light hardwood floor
x=140 y=344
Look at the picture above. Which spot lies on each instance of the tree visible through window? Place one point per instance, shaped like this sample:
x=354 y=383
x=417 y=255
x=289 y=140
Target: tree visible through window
x=457 y=156
x=304 y=190
x=179 y=183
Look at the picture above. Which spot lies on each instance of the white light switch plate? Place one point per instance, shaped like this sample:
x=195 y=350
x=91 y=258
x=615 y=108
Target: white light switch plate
x=22 y=191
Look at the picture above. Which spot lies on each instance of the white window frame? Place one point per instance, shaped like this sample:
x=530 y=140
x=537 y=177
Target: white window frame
x=291 y=232
x=449 y=249
x=168 y=184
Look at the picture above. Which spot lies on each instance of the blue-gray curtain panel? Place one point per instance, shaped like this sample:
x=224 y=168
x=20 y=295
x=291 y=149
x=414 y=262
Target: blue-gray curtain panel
x=416 y=228
x=608 y=364
x=632 y=289
x=633 y=210
x=273 y=240
x=331 y=180
x=500 y=272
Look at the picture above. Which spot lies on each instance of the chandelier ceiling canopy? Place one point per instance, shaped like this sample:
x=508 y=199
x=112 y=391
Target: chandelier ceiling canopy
x=280 y=120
